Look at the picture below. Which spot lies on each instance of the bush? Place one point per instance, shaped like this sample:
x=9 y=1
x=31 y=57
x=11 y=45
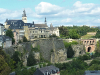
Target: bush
x=94 y=62
x=84 y=57
x=53 y=35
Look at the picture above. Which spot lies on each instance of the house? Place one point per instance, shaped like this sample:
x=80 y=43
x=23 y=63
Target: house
x=48 y=70
x=96 y=72
x=5 y=41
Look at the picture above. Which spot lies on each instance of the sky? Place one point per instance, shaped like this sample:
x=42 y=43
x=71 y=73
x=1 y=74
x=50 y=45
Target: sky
x=57 y=12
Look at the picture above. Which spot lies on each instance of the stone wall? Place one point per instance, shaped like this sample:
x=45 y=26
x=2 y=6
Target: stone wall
x=78 y=49
x=50 y=47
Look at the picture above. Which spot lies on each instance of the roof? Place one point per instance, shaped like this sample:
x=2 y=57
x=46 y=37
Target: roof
x=40 y=25
x=46 y=69
x=92 y=72
x=5 y=38
x=17 y=24
x=1 y=24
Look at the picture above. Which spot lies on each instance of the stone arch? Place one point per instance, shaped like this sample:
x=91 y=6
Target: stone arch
x=89 y=49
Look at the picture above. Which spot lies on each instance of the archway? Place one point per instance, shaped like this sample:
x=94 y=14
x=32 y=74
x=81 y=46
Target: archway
x=89 y=49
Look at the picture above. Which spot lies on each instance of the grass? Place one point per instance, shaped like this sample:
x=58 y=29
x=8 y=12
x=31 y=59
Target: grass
x=88 y=35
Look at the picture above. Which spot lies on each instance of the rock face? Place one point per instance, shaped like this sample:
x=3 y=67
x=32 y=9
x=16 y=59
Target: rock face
x=78 y=49
x=59 y=56
x=53 y=50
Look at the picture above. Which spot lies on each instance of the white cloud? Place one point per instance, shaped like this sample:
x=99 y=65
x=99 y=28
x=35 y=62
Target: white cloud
x=78 y=14
x=47 y=8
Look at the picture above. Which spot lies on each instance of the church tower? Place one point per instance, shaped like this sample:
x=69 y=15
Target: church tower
x=24 y=17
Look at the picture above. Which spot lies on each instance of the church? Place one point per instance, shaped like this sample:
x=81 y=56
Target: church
x=21 y=28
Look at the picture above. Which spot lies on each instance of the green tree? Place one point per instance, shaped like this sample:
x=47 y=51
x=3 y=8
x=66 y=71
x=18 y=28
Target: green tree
x=31 y=59
x=16 y=58
x=73 y=34
x=94 y=67
x=4 y=68
x=70 y=52
x=18 y=69
x=7 y=58
x=63 y=31
x=10 y=34
x=97 y=34
x=24 y=39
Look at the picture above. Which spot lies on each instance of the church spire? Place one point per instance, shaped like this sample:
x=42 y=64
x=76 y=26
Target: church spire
x=24 y=17
x=45 y=21
x=24 y=13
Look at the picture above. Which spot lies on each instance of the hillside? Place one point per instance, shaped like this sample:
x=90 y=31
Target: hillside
x=89 y=35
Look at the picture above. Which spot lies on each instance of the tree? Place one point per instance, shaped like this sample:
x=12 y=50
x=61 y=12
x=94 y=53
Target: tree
x=24 y=39
x=63 y=31
x=70 y=52
x=4 y=68
x=73 y=34
x=31 y=59
x=97 y=34
x=16 y=58
x=10 y=34
x=7 y=58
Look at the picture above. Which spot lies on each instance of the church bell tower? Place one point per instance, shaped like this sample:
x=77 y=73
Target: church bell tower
x=24 y=17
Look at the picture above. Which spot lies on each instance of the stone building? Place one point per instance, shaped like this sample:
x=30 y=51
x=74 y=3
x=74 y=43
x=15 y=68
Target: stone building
x=30 y=30
x=89 y=44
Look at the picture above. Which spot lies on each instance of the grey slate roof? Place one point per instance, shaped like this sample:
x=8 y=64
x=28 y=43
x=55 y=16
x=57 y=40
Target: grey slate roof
x=40 y=25
x=92 y=72
x=4 y=38
x=17 y=24
x=44 y=70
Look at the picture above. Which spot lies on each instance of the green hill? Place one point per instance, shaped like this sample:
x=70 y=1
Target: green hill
x=89 y=35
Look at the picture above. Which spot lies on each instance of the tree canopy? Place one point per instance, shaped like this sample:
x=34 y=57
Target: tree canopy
x=10 y=34
x=31 y=59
